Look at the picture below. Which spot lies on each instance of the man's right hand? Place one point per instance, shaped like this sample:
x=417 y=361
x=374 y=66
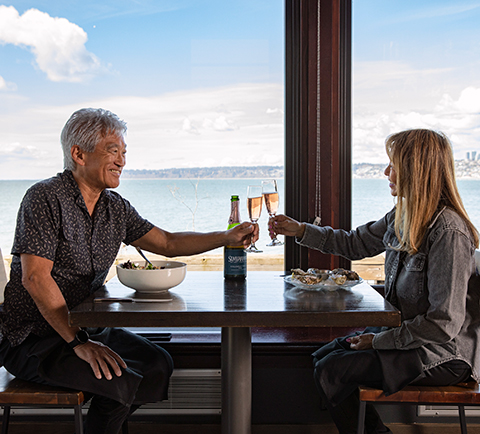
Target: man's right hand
x=101 y=358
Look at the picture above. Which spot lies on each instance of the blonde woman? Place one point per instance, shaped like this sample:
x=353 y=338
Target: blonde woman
x=429 y=244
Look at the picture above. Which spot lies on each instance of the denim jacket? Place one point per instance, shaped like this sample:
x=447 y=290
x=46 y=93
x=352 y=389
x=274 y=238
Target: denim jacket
x=436 y=289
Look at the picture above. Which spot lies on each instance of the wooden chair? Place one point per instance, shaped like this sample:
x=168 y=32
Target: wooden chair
x=460 y=395
x=15 y=392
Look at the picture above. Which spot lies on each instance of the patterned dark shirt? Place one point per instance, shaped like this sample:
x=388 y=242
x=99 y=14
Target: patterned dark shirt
x=53 y=223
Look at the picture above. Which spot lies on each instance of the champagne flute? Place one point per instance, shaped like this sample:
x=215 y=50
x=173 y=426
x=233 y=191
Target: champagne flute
x=270 y=194
x=254 y=205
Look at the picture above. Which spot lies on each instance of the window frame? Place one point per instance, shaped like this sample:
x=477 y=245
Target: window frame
x=318 y=161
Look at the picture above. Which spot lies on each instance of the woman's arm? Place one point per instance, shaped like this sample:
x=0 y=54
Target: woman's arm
x=365 y=241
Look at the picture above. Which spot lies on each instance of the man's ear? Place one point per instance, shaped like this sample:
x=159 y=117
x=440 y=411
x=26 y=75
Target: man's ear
x=77 y=155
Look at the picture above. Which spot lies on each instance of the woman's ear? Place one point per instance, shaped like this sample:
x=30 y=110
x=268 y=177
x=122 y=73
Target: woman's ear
x=77 y=155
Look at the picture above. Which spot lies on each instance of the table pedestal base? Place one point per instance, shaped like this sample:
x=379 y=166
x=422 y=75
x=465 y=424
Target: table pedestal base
x=236 y=380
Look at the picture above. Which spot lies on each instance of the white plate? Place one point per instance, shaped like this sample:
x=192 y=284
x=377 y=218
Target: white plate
x=328 y=285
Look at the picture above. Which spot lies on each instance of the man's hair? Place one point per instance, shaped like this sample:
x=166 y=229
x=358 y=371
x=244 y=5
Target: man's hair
x=86 y=128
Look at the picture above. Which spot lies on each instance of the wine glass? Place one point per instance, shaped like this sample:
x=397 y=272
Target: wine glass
x=254 y=206
x=270 y=194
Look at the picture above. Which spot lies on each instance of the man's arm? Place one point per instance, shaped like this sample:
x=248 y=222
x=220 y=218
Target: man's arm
x=38 y=281
x=190 y=243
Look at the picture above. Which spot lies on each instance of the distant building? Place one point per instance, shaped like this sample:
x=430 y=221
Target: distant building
x=468 y=156
x=474 y=154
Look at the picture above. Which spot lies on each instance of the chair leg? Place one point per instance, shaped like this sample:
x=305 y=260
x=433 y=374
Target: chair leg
x=463 y=423
x=5 y=419
x=78 y=419
x=125 y=427
x=361 y=417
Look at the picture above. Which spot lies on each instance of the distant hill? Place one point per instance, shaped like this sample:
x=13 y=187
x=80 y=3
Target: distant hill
x=465 y=169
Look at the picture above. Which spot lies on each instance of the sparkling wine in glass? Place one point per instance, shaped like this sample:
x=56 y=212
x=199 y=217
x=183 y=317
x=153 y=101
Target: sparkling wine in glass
x=254 y=206
x=270 y=195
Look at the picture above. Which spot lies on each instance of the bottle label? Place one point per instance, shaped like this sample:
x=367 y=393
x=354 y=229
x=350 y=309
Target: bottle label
x=235 y=262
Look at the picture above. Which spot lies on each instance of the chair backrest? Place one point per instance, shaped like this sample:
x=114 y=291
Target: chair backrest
x=477 y=260
x=3 y=276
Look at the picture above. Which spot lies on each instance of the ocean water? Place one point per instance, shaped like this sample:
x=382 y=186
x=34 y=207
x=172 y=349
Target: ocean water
x=203 y=206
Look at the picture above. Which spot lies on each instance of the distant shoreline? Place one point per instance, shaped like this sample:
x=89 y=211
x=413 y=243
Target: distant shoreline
x=465 y=169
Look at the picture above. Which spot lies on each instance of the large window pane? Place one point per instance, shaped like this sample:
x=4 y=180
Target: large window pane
x=415 y=65
x=200 y=84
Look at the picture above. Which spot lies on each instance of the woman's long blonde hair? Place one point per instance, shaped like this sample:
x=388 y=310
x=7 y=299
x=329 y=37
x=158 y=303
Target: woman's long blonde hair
x=425 y=168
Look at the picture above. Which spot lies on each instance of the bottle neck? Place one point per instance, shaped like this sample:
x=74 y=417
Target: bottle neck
x=234 y=218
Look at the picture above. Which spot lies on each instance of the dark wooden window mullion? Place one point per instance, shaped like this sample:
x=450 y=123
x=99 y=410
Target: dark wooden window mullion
x=318 y=148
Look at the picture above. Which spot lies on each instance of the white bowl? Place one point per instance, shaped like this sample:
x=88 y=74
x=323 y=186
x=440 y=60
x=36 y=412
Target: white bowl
x=159 y=280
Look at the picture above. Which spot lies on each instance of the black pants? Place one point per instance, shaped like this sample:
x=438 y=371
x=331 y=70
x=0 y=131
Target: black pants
x=50 y=361
x=339 y=371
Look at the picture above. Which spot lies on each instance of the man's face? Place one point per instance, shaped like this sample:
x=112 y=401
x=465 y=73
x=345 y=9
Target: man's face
x=103 y=167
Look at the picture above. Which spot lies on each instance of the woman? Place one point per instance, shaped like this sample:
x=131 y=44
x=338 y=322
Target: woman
x=429 y=243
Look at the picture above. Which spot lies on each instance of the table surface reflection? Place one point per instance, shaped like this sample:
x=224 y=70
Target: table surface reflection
x=264 y=299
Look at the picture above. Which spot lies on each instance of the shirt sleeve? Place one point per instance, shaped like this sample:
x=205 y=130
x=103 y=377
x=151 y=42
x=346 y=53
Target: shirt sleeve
x=38 y=224
x=136 y=225
x=365 y=241
x=447 y=276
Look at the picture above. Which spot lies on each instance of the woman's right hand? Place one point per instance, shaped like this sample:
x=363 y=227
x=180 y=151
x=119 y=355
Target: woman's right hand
x=283 y=225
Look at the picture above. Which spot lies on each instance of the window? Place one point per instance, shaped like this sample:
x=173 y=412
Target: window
x=200 y=84
x=414 y=66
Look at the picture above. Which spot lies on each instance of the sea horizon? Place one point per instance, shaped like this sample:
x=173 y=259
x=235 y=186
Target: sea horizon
x=185 y=205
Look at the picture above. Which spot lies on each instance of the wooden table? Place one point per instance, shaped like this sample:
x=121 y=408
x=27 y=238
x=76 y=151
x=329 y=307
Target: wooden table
x=205 y=299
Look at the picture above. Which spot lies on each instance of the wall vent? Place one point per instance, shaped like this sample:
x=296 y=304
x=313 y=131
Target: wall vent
x=446 y=411
x=191 y=391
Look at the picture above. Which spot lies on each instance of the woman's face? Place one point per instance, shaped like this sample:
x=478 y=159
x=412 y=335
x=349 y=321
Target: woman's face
x=392 y=178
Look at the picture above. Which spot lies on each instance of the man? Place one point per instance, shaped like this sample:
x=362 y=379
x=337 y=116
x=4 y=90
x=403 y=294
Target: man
x=69 y=230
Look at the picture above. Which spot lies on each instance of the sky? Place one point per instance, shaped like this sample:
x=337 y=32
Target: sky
x=201 y=82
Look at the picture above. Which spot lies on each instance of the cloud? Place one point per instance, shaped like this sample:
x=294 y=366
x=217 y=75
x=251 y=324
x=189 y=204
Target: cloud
x=57 y=44
x=458 y=118
x=207 y=127
x=6 y=86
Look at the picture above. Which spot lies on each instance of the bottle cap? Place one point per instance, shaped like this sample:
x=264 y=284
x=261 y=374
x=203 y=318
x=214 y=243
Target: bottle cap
x=234 y=198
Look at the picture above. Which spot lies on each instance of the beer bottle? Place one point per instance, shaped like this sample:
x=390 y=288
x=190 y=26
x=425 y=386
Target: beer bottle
x=234 y=257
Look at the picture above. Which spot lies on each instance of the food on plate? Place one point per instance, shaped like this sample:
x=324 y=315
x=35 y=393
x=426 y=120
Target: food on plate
x=309 y=277
x=349 y=274
x=314 y=276
x=339 y=279
x=129 y=265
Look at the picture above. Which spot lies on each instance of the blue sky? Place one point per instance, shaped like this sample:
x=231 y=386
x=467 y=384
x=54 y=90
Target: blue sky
x=416 y=64
x=200 y=82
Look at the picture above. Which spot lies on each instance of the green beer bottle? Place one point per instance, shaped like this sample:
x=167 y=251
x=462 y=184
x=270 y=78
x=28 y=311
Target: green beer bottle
x=234 y=257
